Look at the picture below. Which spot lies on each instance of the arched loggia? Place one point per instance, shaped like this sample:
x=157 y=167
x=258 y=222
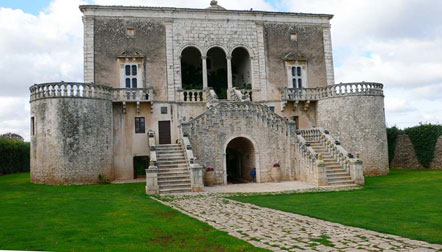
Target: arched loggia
x=241 y=68
x=191 y=69
x=217 y=71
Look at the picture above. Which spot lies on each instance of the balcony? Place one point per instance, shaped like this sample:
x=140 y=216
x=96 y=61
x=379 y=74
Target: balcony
x=342 y=89
x=132 y=94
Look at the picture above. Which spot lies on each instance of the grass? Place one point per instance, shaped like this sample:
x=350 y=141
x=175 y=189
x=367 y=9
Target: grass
x=99 y=218
x=406 y=203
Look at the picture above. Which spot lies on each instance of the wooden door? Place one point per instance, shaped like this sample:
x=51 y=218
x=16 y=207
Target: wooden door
x=164 y=132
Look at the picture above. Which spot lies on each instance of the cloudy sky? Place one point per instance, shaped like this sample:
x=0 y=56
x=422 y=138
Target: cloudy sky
x=395 y=42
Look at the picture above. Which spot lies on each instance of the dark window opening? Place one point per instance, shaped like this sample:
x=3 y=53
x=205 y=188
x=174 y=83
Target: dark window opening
x=33 y=126
x=141 y=163
x=299 y=71
x=299 y=83
x=140 y=125
x=127 y=70
x=272 y=108
x=134 y=70
x=134 y=82
x=163 y=110
x=127 y=83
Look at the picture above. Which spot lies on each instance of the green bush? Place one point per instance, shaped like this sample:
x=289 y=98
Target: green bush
x=14 y=156
x=424 y=138
x=392 y=134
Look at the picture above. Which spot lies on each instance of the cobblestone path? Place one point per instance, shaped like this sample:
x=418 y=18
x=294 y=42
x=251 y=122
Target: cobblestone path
x=281 y=231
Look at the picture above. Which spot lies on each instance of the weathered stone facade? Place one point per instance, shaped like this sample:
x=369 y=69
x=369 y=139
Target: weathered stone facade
x=253 y=78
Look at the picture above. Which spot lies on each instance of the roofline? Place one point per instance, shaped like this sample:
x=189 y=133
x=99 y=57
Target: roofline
x=173 y=9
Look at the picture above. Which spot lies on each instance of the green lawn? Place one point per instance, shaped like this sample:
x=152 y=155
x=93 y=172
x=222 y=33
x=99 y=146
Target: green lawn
x=99 y=218
x=406 y=203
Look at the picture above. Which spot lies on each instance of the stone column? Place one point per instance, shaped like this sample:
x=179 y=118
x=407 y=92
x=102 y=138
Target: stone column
x=152 y=186
x=357 y=171
x=229 y=76
x=196 y=176
x=321 y=172
x=205 y=85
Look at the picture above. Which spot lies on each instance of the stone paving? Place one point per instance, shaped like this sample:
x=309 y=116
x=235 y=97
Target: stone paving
x=281 y=231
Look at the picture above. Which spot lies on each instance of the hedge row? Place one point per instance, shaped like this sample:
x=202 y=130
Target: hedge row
x=423 y=137
x=14 y=156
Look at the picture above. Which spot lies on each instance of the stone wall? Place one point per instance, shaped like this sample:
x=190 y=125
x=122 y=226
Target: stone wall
x=404 y=154
x=212 y=132
x=149 y=40
x=358 y=122
x=73 y=140
x=436 y=163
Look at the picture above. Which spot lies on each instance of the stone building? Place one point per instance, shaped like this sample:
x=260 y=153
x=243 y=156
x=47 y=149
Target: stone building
x=178 y=90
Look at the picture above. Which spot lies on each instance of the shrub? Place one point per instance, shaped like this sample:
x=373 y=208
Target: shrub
x=14 y=156
x=392 y=134
x=424 y=138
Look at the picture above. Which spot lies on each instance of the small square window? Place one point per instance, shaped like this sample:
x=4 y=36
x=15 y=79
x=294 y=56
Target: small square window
x=163 y=110
x=272 y=108
x=294 y=36
x=140 y=125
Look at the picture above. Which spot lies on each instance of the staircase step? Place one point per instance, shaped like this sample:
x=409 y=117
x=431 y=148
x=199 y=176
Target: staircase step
x=162 y=159
x=172 y=180
x=171 y=162
x=174 y=185
x=173 y=166
x=163 y=170
x=176 y=190
x=344 y=182
x=171 y=155
x=338 y=177
x=172 y=173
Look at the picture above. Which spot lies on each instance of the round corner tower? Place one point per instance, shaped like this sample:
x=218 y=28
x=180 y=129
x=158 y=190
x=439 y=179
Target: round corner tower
x=71 y=133
x=355 y=115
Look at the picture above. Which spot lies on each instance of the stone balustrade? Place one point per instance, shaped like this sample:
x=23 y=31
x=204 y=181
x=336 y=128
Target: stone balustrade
x=195 y=169
x=342 y=89
x=132 y=94
x=69 y=89
x=192 y=95
x=226 y=109
x=348 y=162
x=89 y=90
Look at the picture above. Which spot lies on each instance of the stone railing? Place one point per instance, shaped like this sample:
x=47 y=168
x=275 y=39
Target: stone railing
x=342 y=89
x=212 y=98
x=195 y=169
x=223 y=109
x=69 y=90
x=90 y=90
x=192 y=95
x=334 y=147
x=152 y=186
x=248 y=94
x=132 y=94
x=310 y=161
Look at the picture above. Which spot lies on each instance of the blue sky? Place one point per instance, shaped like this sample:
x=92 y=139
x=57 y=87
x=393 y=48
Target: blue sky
x=395 y=42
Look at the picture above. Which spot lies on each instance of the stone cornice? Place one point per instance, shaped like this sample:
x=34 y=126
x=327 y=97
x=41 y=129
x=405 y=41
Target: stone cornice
x=176 y=13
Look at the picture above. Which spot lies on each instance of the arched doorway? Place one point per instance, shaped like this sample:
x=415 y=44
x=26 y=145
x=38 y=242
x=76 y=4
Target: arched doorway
x=240 y=160
x=217 y=71
x=241 y=69
x=191 y=69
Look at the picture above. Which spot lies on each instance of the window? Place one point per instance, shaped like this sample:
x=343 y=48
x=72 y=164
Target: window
x=294 y=36
x=140 y=125
x=272 y=108
x=32 y=126
x=163 y=110
x=130 y=72
x=297 y=76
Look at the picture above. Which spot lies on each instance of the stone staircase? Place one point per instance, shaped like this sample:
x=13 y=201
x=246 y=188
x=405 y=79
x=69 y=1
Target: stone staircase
x=336 y=175
x=173 y=175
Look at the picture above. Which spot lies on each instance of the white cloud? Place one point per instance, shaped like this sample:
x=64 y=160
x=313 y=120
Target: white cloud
x=396 y=42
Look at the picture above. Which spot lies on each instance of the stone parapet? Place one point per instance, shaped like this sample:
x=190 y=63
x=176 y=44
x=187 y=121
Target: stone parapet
x=331 y=91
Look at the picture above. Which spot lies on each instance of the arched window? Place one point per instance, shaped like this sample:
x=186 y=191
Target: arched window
x=241 y=69
x=191 y=69
x=217 y=74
